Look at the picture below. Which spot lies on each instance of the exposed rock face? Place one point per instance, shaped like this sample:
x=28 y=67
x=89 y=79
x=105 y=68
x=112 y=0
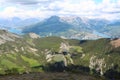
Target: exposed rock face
x=69 y=60
x=33 y=35
x=115 y=43
x=64 y=47
x=6 y=36
x=97 y=64
x=83 y=55
x=49 y=57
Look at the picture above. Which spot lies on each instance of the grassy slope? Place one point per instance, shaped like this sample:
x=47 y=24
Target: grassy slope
x=19 y=56
x=102 y=49
x=25 y=60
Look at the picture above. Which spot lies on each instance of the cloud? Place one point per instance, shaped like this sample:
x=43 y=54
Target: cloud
x=8 y=12
x=108 y=9
x=29 y=2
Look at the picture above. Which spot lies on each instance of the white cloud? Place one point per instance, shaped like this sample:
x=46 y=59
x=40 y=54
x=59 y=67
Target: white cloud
x=8 y=12
x=88 y=8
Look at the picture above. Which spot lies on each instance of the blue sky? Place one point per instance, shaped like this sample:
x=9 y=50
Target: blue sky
x=107 y=9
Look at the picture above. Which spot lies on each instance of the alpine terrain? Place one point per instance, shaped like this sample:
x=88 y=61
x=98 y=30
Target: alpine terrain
x=30 y=54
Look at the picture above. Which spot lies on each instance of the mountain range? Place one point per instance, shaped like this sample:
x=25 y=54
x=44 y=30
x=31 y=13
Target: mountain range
x=75 y=28
x=72 y=27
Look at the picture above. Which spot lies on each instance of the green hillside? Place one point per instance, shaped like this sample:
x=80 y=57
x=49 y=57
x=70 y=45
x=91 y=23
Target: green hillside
x=26 y=54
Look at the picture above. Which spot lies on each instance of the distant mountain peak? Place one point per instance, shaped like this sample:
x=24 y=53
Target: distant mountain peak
x=53 y=19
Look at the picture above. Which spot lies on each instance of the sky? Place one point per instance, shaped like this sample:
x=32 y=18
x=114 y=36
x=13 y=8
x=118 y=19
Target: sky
x=107 y=9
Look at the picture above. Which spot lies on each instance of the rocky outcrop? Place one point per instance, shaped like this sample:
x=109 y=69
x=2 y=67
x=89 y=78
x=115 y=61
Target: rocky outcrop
x=97 y=64
x=62 y=55
x=6 y=36
x=33 y=35
x=64 y=47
